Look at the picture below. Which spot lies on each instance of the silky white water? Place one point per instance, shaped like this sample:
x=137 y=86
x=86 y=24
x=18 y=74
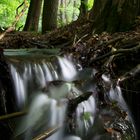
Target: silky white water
x=44 y=88
x=47 y=101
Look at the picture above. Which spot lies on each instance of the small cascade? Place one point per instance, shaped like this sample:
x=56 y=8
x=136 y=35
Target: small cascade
x=34 y=76
x=45 y=87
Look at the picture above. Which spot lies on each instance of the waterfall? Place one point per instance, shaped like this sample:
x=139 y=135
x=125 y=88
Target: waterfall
x=45 y=87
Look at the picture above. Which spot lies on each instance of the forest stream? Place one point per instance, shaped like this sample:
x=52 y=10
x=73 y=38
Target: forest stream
x=70 y=70
x=62 y=100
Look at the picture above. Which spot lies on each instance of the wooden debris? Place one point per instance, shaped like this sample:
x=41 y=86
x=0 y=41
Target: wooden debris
x=47 y=133
x=12 y=115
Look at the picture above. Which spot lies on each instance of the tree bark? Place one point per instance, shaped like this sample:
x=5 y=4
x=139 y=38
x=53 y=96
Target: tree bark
x=62 y=16
x=49 y=19
x=66 y=12
x=114 y=15
x=74 y=14
x=83 y=7
x=32 y=20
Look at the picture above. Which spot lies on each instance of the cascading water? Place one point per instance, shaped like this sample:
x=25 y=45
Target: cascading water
x=45 y=88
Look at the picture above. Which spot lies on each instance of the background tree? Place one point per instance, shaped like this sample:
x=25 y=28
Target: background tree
x=68 y=11
x=49 y=18
x=61 y=13
x=32 y=21
x=83 y=7
x=74 y=12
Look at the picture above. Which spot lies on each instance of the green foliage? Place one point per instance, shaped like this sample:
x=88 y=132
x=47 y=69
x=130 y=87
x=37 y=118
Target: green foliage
x=90 y=4
x=8 y=12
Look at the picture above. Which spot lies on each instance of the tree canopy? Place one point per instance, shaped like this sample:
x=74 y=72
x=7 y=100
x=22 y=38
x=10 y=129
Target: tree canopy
x=8 y=12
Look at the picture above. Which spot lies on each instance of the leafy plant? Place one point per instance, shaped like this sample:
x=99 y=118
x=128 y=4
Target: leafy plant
x=90 y=4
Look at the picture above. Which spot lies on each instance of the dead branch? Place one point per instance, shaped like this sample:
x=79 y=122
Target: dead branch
x=132 y=73
x=79 y=40
x=106 y=43
x=73 y=103
x=47 y=133
x=112 y=41
x=12 y=115
x=19 y=7
x=120 y=51
x=18 y=16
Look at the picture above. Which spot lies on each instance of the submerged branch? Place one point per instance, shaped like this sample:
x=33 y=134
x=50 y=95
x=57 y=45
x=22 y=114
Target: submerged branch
x=72 y=105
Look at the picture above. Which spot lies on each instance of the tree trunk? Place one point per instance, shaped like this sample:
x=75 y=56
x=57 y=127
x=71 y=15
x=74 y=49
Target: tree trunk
x=83 y=7
x=114 y=15
x=66 y=12
x=32 y=20
x=49 y=19
x=62 y=16
x=74 y=14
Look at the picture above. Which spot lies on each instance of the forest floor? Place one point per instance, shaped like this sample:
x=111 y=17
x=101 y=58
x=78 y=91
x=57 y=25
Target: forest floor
x=92 y=50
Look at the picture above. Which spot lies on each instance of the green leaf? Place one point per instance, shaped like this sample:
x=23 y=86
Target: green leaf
x=86 y=115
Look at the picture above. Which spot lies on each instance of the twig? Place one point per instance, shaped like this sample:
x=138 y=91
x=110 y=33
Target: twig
x=47 y=133
x=12 y=115
x=106 y=43
x=132 y=91
x=79 y=40
x=74 y=40
x=18 y=16
x=113 y=41
x=135 y=71
x=19 y=7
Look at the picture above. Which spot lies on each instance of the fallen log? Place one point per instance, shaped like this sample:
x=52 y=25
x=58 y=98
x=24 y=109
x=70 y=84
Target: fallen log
x=30 y=52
